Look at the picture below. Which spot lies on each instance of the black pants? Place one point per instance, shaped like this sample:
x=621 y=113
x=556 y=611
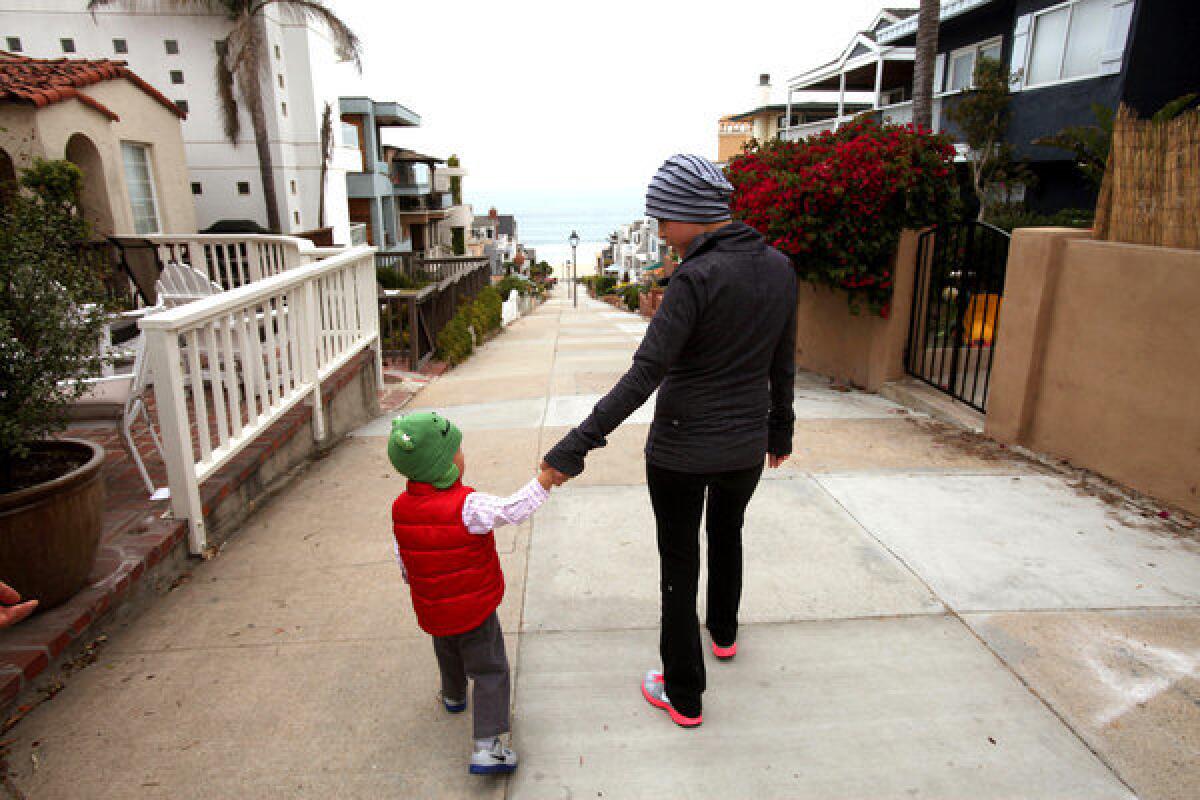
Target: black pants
x=678 y=500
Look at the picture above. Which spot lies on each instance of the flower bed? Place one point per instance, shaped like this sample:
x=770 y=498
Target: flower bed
x=836 y=202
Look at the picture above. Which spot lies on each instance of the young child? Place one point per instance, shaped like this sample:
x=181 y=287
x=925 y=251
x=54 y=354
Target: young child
x=447 y=552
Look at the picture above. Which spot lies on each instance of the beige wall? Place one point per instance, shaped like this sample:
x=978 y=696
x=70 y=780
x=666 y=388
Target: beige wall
x=862 y=350
x=45 y=132
x=1098 y=359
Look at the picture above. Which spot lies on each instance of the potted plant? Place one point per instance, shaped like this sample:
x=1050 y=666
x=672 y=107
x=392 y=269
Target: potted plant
x=51 y=320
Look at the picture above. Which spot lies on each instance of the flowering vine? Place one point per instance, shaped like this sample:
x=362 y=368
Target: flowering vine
x=835 y=203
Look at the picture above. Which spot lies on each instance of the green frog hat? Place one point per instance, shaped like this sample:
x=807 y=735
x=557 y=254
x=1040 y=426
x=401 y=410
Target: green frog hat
x=422 y=447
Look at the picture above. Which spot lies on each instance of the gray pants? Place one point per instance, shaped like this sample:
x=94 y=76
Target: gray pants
x=479 y=655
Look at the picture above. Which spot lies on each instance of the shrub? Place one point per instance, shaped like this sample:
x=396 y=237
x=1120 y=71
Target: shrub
x=1014 y=216
x=454 y=344
x=51 y=315
x=835 y=203
x=604 y=284
x=633 y=297
x=486 y=311
x=392 y=278
x=510 y=282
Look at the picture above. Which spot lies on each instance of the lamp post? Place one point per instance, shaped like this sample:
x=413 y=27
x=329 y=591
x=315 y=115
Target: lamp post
x=574 y=240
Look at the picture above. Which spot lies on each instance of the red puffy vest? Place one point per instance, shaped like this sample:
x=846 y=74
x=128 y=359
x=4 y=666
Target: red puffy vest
x=454 y=575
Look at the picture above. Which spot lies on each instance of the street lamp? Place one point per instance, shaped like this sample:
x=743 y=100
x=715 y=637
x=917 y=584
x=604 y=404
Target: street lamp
x=574 y=240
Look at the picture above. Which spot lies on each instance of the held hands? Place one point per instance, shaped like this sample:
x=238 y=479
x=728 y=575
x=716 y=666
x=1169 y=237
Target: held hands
x=774 y=461
x=549 y=477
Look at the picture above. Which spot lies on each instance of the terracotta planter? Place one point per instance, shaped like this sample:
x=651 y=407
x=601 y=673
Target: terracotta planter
x=49 y=533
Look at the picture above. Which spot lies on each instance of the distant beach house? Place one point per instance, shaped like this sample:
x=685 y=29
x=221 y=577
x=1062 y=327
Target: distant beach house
x=119 y=130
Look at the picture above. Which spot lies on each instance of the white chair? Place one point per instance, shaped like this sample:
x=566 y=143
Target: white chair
x=119 y=399
x=180 y=283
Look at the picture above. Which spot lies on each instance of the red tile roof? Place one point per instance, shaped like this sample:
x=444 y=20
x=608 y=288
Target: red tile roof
x=41 y=82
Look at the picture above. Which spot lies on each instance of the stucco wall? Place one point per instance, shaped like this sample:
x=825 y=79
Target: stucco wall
x=1098 y=359
x=862 y=350
x=45 y=134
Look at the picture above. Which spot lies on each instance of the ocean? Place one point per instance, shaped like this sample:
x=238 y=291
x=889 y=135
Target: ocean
x=545 y=220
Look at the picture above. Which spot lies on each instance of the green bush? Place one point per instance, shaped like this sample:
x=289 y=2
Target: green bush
x=486 y=311
x=1017 y=216
x=454 y=344
x=605 y=285
x=51 y=312
x=633 y=297
x=510 y=282
x=392 y=278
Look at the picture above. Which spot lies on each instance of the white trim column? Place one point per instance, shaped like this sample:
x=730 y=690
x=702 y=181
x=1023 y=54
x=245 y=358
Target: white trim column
x=879 y=81
x=787 y=119
x=841 y=100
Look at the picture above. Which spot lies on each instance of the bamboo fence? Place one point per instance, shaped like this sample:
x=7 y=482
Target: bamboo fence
x=1151 y=189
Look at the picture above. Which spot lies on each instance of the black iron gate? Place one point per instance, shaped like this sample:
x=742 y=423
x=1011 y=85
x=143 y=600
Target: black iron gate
x=956 y=308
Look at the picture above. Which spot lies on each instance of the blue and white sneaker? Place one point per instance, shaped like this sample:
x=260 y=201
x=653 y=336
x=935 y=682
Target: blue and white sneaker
x=491 y=757
x=453 y=706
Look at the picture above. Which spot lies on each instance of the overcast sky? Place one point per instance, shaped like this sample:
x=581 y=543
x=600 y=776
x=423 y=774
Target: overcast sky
x=579 y=98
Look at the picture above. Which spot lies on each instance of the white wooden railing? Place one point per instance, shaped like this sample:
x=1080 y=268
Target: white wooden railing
x=233 y=260
x=229 y=366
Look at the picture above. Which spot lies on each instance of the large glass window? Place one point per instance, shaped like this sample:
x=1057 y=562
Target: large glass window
x=139 y=178
x=961 y=72
x=1068 y=41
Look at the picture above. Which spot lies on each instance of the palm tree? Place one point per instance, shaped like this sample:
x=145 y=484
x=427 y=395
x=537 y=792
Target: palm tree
x=242 y=57
x=927 y=34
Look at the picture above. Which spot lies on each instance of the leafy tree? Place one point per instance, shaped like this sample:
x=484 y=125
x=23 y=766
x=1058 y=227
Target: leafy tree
x=981 y=116
x=455 y=181
x=51 y=312
x=242 y=59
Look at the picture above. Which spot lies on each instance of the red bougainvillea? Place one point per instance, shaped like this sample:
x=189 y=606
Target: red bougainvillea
x=836 y=202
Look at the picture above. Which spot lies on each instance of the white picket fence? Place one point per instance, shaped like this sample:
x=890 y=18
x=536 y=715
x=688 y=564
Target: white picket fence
x=235 y=260
x=245 y=357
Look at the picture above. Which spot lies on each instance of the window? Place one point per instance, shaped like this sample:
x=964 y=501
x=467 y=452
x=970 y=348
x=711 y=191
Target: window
x=350 y=135
x=176 y=76
x=277 y=53
x=296 y=216
x=197 y=187
x=283 y=108
x=182 y=105
x=171 y=46
x=120 y=46
x=14 y=44
x=280 y=81
x=139 y=179
x=961 y=72
x=68 y=45
x=243 y=187
x=1068 y=41
x=293 y=184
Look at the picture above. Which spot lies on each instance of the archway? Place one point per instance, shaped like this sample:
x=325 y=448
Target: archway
x=93 y=200
x=8 y=177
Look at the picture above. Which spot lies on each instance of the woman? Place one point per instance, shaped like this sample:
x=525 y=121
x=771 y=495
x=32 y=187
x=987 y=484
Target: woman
x=720 y=352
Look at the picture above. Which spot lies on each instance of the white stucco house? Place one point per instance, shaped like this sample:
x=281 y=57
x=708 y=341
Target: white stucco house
x=175 y=52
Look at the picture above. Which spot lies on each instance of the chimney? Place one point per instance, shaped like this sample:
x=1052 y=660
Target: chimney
x=764 y=90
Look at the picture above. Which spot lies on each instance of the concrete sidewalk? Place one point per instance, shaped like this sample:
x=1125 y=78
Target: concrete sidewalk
x=926 y=616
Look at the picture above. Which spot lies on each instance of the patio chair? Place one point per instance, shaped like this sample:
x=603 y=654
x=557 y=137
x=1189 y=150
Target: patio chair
x=140 y=262
x=180 y=283
x=118 y=400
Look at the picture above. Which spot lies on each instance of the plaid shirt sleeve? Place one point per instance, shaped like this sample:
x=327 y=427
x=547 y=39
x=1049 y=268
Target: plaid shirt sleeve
x=483 y=512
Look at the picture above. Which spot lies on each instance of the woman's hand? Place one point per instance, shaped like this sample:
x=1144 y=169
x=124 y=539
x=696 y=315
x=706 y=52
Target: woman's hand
x=549 y=477
x=774 y=461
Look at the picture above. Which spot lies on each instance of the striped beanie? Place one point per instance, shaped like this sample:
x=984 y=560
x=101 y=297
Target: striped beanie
x=688 y=188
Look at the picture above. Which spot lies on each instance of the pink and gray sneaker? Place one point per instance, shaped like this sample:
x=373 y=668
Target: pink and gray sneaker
x=724 y=653
x=655 y=692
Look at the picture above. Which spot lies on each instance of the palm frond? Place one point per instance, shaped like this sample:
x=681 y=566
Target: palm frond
x=345 y=40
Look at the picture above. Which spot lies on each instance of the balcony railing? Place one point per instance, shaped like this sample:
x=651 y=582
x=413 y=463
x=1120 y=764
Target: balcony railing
x=232 y=364
x=234 y=260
